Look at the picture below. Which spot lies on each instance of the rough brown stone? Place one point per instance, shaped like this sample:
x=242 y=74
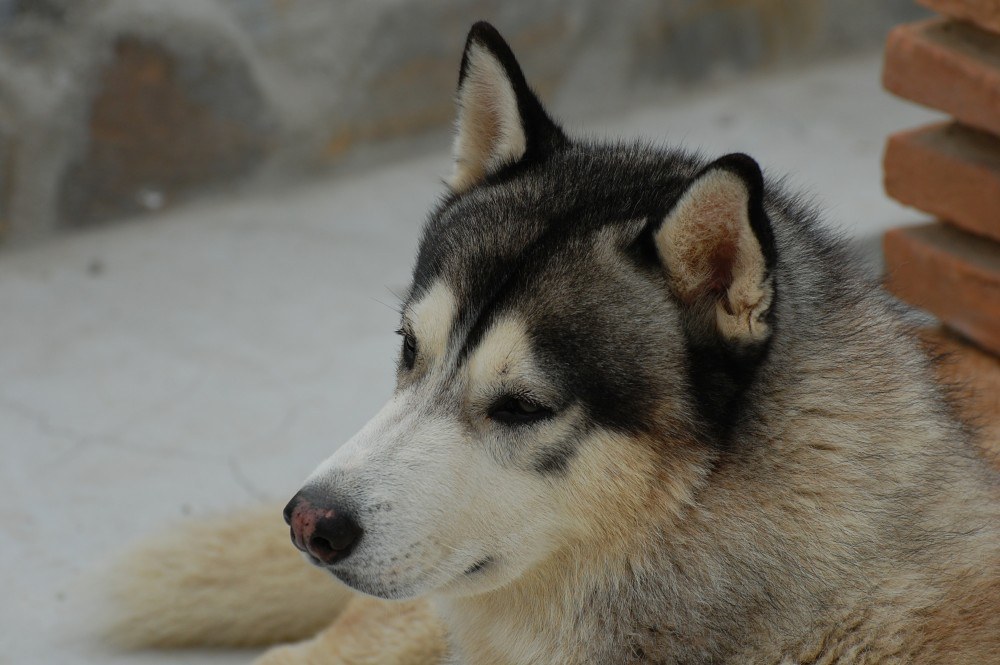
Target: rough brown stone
x=984 y=13
x=950 y=171
x=947 y=65
x=162 y=126
x=949 y=273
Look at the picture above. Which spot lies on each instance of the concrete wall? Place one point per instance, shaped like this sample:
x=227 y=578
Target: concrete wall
x=109 y=108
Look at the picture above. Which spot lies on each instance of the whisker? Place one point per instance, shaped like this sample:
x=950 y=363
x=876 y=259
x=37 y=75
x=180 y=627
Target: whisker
x=396 y=295
x=395 y=308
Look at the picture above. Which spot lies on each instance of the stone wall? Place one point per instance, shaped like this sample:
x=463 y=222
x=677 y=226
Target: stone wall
x=113 y=107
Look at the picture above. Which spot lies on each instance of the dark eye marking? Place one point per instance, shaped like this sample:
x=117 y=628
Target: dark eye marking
x=409 y=351
x=556 y=461
x=518 y=410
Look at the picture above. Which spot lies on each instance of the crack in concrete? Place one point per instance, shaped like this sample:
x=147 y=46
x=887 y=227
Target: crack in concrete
x=42 y=422
x=244 y=482
x=80 y=441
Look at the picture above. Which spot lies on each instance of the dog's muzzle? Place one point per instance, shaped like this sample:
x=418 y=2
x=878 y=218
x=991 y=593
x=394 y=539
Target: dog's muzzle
x=325 y=532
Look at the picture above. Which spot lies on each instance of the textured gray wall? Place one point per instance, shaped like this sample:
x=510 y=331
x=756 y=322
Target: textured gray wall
x=112 y=107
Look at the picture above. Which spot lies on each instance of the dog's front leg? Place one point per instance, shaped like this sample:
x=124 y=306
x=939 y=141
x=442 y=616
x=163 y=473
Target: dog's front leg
x=371 y=632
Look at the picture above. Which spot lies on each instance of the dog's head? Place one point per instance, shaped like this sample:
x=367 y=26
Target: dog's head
x=581 y=324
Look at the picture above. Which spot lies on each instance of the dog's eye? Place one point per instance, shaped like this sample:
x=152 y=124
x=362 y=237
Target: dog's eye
x=409 y=348
x=513 y=410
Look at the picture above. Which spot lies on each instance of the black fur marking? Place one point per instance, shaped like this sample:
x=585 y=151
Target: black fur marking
x=504 y=282
x=479 y=566
x=555 y=461
x=720 y=376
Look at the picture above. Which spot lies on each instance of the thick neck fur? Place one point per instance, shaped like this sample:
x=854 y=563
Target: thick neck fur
x=840 y=501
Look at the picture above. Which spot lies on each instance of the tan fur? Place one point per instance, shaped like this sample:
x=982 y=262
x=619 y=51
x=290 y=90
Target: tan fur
x=432 y=318
x=618 y=476
x=504 y=347
x=232 y=582
x=935 y=615
x=955 y=628
x=489 y=132
x=707 y=228
x=370 y=632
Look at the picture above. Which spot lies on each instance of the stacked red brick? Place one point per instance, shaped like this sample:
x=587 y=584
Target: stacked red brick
x=951 y=170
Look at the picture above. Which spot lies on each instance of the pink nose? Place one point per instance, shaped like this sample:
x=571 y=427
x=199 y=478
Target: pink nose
x=325 y=532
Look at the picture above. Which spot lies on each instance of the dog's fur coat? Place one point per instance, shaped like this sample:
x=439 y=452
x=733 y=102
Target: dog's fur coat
x=721 y=445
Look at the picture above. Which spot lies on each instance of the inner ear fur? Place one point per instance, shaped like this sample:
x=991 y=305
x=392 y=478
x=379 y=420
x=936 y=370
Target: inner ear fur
x=500 y=120
x=717 y=247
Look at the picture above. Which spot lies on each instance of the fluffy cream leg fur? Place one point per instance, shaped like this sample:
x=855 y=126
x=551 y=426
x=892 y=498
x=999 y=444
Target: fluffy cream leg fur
x=370 y=632
x=234 y=581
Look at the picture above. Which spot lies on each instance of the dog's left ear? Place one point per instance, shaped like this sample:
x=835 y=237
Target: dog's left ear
x=500 y=120
x=718 y=249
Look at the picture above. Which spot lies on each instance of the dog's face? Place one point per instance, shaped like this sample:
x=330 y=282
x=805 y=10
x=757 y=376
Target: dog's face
x=576 y=315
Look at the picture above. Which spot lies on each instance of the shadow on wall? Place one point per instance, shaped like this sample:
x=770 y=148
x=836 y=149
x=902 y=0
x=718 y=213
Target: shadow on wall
x=109 y=108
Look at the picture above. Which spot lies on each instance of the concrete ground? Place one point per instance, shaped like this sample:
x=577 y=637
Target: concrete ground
x=209 y=358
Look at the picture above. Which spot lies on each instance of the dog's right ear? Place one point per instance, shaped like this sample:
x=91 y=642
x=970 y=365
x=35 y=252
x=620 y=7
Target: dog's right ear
x=500 y=120
x=719 y=249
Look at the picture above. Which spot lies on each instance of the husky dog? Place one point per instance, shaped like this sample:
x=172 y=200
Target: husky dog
x=648 y=412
